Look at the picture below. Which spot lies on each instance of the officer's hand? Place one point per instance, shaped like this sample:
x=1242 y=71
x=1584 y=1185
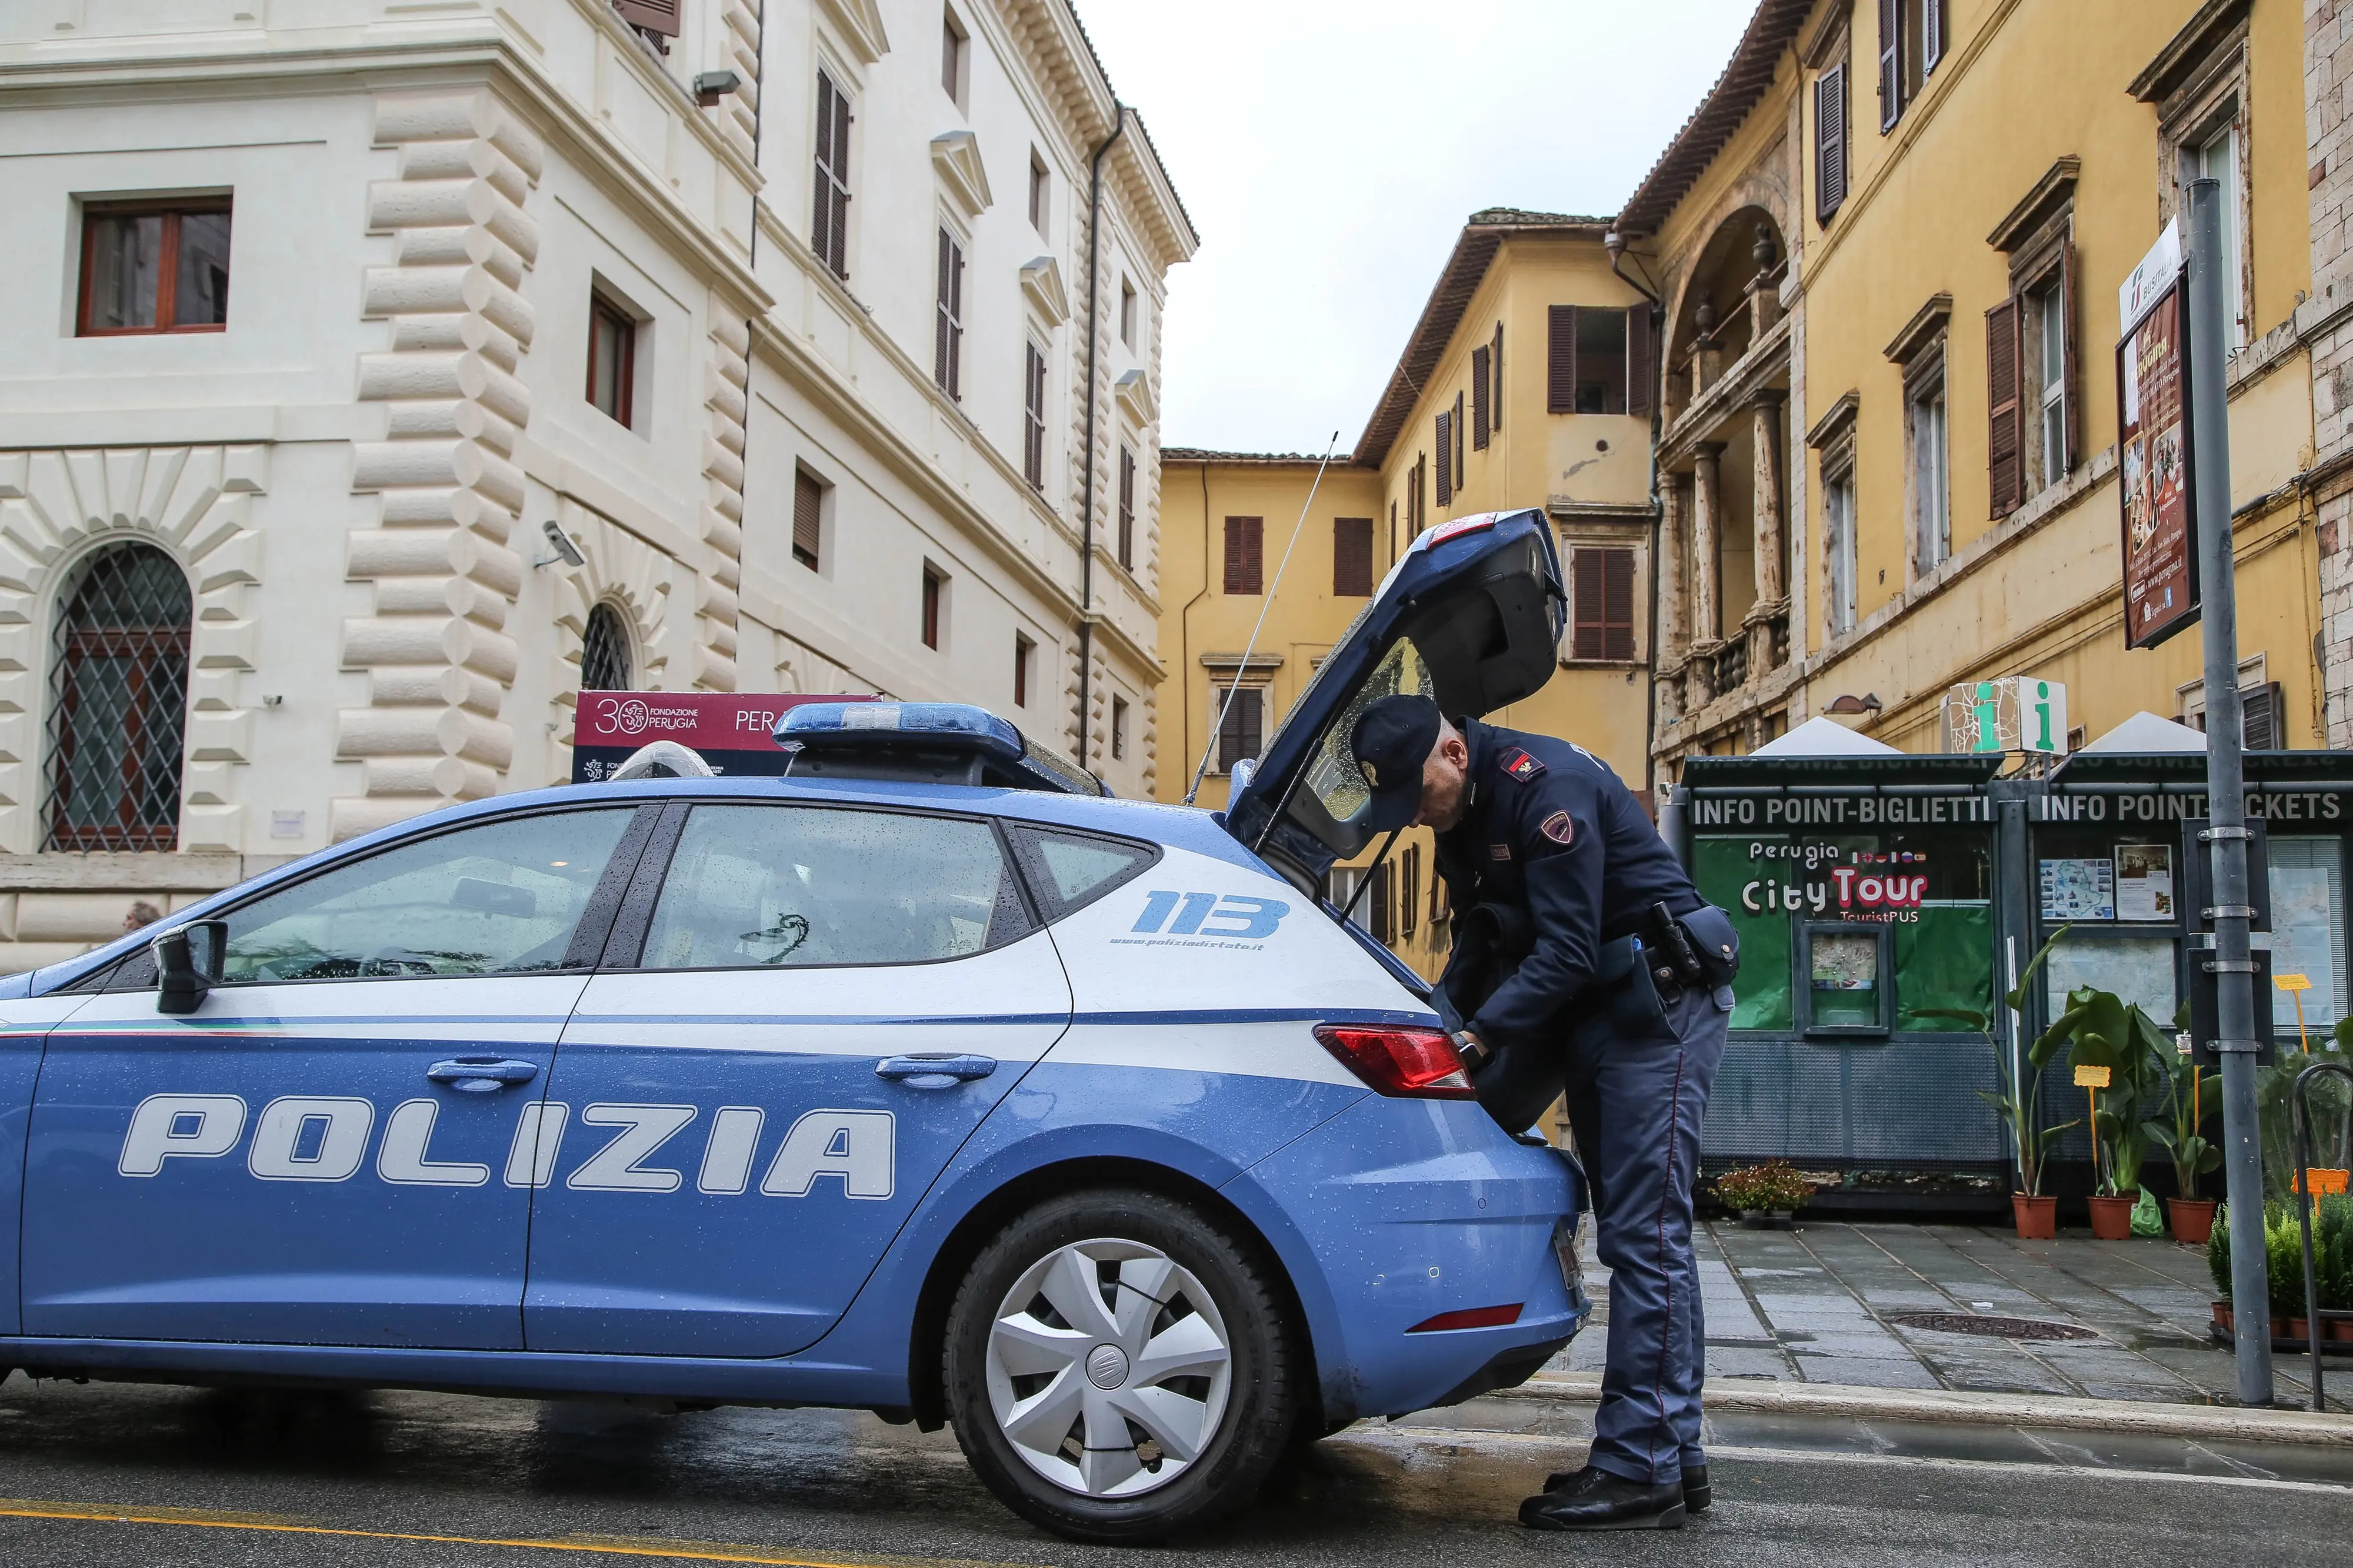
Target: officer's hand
x=1475 y=1052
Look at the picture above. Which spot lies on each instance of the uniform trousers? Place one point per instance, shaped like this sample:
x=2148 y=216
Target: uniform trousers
x=1636 y=1099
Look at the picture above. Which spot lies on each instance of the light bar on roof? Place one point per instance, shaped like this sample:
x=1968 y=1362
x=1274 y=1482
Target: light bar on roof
x=928 y=723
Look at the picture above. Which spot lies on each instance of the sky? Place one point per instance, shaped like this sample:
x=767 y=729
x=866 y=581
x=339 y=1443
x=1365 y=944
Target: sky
x=1329 y=150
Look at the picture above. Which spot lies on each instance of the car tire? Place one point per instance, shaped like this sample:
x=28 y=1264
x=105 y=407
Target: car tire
x=1096 y=1308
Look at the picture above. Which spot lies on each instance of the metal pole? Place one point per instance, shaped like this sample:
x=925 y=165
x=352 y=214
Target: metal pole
x=2233 y=968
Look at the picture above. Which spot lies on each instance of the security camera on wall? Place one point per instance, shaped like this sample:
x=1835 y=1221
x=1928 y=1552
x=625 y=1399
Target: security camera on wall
x=561 y=543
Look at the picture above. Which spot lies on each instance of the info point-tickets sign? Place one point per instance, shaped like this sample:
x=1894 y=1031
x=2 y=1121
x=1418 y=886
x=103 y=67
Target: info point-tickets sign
x=734 y=733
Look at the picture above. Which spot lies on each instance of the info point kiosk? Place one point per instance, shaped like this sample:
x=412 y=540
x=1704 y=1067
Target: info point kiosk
x=1878 y=891
x=1863 y=880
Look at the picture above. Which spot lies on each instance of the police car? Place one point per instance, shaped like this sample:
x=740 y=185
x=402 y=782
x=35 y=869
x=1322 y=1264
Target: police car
x=923 y=1079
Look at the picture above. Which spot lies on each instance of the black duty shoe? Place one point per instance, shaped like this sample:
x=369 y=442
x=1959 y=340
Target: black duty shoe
x=1595 y=1499
x=1696 y=1496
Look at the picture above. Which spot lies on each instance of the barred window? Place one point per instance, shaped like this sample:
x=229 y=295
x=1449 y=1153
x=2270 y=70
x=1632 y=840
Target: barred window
x=605 y=651
x=118 y=702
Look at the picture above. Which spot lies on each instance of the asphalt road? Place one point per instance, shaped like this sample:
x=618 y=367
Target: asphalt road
x=100 y=1474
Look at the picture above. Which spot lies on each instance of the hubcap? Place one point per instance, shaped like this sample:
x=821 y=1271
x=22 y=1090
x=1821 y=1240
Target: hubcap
x=1108 y=1368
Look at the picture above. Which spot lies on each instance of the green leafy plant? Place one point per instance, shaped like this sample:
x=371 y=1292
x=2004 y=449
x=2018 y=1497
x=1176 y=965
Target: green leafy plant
x=2099 y=1028
x=2019 y=1101
x=2332 y=1254
x=2326 y=1099
x=1772 y=1187
x=2192 y=1097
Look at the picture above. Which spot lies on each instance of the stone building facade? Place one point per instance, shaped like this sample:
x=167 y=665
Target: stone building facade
x=370 y=369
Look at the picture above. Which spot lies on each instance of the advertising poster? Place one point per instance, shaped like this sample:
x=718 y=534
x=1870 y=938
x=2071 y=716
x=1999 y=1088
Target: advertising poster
x=2153 y=459
x=2143 y=881
x=734 y=732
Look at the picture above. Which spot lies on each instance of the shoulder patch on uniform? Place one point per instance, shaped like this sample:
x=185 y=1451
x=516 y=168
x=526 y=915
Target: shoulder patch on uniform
x=1520 y=765
x=1559 y=827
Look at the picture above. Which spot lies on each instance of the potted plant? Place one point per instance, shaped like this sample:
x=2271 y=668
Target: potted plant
x=2020 y=1104
x=2189 y=1101
x=2332 y=1258
x=2101 y=1030
x=1766 y=1195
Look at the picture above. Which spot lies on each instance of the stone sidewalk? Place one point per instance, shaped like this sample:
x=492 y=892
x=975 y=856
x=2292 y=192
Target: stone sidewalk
x=1824 y=1303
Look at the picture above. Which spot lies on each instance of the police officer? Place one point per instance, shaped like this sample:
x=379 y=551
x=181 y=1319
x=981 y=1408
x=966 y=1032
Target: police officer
x=1584 y=961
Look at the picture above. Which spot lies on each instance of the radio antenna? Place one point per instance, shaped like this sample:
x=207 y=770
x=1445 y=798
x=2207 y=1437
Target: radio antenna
x=1272 y=589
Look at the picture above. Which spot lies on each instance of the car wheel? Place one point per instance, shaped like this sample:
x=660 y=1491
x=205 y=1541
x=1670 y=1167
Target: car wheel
x=1118 y=1368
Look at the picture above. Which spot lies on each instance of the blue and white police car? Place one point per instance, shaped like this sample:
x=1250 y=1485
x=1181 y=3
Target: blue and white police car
x=922 y=1079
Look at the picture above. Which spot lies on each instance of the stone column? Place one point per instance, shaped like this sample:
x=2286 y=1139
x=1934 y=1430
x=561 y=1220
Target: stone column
x=1667 y=660
x=1707 y=518
x=1675 y=622
x=1772 y=590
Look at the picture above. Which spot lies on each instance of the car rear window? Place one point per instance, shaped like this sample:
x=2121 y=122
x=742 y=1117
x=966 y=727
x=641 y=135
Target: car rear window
x=1070 y=871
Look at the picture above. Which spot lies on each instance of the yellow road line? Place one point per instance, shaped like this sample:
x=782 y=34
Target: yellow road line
x=619 y=1546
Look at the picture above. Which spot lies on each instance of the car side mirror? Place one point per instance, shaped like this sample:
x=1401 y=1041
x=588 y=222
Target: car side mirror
x=187 y=963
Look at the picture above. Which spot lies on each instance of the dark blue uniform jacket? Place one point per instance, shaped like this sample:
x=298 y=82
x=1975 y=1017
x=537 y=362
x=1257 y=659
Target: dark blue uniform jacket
x=1552 y=830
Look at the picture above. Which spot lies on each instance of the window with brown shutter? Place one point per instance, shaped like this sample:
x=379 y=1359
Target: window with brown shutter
x=947 y=335
x=934 y=603
x=1022 y=649
x=649 y=15
x=1829 y=142
x=1560 y=359
x=2261 y=720
x=1457 y=427
x=1408 y=890
x=1126 y=506
x=612 y=361
x=1445 y=459
x=1033 y=415
x=1639 y=358
x=1495 y=417
x=1933 y=29
x=1603 y=591
x=1240 y=731
x=1479 y=376
x=1383 y=896
x=1352 y=557
x=829 y=232
x=1891 y=64
x=1244 y=535
x=2004 y=468
x=809 y=510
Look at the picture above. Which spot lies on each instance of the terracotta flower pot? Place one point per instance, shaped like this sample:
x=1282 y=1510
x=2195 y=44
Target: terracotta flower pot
x=2112 y=1219
x=2038 y=1218
x=2193 y=1219
x=2337 y=1326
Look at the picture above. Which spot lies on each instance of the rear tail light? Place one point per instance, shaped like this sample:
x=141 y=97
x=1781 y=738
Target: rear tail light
x=1399 y=1061
x=1468 y=1317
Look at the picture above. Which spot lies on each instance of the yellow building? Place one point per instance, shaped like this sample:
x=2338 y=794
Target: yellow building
x=1520 y=385
x=1891 y=242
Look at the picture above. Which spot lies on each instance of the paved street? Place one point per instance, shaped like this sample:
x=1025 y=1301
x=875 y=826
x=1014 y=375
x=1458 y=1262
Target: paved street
x=1823 y=1303
x=101 y=1473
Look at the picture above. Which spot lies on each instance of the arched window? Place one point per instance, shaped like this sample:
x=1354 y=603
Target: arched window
x=118 y=703
x=605 y=652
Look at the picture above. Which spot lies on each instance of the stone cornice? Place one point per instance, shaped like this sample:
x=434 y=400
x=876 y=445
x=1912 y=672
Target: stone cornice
x=955 y=158
x=1734 y=390
x=860 y=22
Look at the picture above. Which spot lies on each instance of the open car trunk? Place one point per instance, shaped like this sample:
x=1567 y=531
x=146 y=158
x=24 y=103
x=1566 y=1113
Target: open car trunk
x=1472 y=615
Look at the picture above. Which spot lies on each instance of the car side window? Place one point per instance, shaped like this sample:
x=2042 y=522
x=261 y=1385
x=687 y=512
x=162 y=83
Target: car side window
x=497 y=898
x=1070 y=871
x=792 y=887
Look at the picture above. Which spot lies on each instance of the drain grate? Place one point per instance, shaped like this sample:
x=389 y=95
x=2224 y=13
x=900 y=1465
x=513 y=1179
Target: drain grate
x=1991 y=1327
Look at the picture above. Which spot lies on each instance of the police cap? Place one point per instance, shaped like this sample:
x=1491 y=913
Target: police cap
x=1392 y=739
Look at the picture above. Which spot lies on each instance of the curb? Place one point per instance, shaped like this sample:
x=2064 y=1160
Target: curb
x=2047 y=1413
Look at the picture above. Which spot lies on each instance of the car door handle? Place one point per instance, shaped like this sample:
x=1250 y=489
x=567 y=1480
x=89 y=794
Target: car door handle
x=482 y=1075
x=934 y=1071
